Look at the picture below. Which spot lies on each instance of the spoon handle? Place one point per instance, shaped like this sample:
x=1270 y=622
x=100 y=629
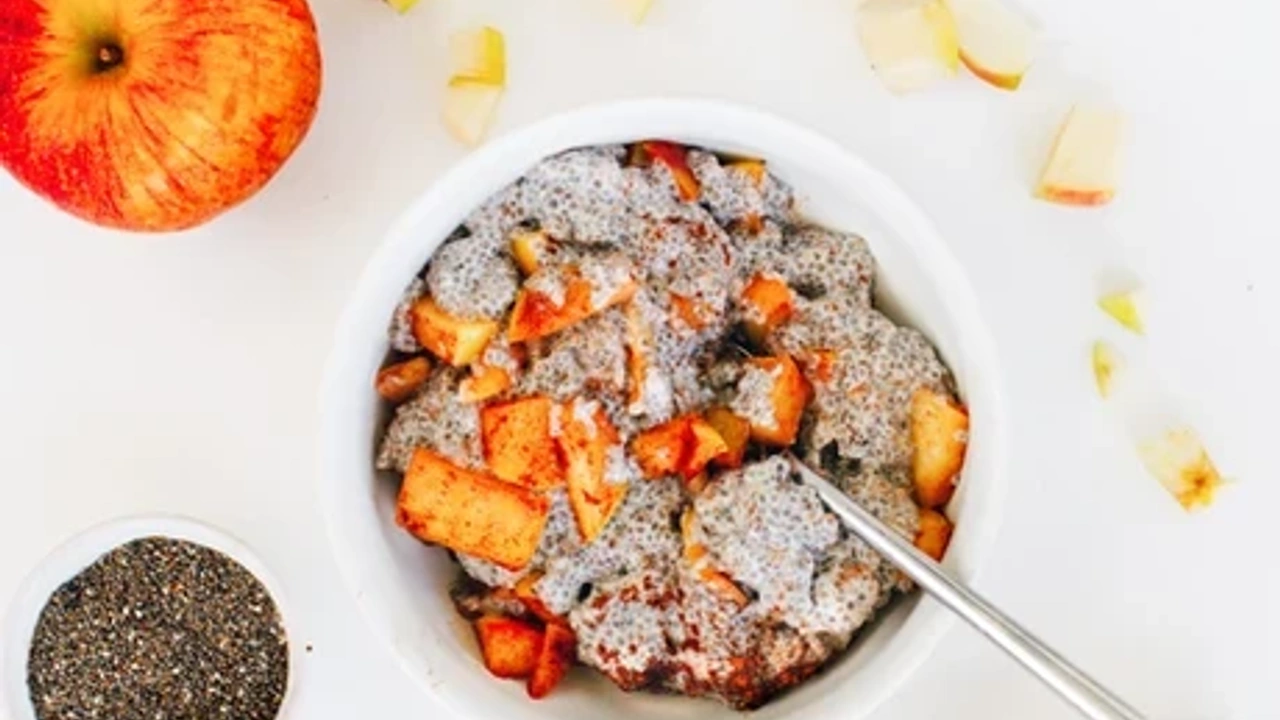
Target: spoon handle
x=1091 y=699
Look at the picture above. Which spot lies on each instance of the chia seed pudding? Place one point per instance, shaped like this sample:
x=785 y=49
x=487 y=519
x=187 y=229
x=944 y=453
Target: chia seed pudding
x=731 y=581
x=159 y=628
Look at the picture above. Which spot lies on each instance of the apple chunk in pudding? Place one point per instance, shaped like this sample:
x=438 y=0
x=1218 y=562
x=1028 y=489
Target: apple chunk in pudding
x=654 y=327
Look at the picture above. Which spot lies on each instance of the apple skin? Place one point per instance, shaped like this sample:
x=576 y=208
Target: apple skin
x=153 y=115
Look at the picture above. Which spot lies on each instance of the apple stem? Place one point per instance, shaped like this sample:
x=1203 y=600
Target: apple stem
x=110 y=55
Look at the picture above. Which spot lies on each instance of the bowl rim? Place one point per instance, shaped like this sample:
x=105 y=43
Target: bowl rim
x=928 y=621
x=82 y=549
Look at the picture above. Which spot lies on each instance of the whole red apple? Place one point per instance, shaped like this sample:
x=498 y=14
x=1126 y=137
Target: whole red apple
x=153 y=115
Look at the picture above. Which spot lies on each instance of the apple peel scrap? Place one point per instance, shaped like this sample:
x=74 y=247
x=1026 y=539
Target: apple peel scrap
x=910 y=44
x=1106 y=363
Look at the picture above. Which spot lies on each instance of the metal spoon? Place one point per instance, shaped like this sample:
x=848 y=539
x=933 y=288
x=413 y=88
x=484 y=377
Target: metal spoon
x=1091 y=699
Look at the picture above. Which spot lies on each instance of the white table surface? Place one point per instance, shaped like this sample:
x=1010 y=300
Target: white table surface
x=141 y=374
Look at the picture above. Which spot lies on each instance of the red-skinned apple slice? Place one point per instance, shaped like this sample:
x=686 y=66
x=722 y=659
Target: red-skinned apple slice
x=1083 y=163
x=996 y=44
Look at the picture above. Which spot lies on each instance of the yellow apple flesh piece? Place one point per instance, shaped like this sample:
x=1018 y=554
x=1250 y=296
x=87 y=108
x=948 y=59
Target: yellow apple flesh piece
x=469 y=108
x=910 y=44
x=1123 y=308
x=479 y=55
x=1178 y=459
x=402 y=6
x=636 y=10
x=996 y=44
x=1105 y=364
x=1083 y=163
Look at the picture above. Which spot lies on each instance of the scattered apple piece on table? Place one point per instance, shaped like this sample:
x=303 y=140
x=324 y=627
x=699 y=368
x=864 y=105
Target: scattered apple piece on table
x=910 y=44
x=469 y=107
x=479 y=55
x=1106 y=362
x=1084 y=161
x=398 y=382
x=518 y=446
x=153 y=116
x=559 y=647
x=996 y=43
x=452 y=339
x=1177 y=458
x=469 y=511
x=939 y=430
x=585 y=440
x=1123 y=308
x=934 y=533
x=509 y=647
x=402 y=6
x=636 y=10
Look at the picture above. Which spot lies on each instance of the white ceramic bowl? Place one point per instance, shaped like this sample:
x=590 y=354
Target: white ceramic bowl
x=401 y=585
x=78 y=553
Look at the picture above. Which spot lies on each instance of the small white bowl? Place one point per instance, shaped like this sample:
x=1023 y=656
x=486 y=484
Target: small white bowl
x=81 y=551
x=401 y=585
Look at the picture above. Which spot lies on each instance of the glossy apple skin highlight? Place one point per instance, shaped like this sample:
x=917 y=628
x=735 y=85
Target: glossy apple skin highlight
x=153 y=115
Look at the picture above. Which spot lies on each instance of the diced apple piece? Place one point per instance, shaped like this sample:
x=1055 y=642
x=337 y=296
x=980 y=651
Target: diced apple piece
x=1123 y=308
x=660 y=450
x=819 y=365
x=452 y=339
x=479 y=55
x=690 y=312
x=510 y=647
x=470 y=512
x=538 y=314
x=526 y=593
x=754 y=169
x=934 y=533
x=530 y=248
x=1084 y=160
x=1178 y=459
x=786 y=397
x=559 y=646
x=939 y=437
x=734 y=431
x=768 y=303
x=698 y=558
x=486 y=382
x=705 y=445
x=636 y=10
x=469 y=108
x=398 y=382
x=1105 y=364
x=675 y=158
x=639 y=360
x=402 y=6
x=584 y=444
x=910 y=44
x=518 y=445
x=996 y=43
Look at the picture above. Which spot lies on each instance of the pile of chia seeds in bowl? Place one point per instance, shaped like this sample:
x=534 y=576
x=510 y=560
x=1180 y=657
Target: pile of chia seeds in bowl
x=159 y=629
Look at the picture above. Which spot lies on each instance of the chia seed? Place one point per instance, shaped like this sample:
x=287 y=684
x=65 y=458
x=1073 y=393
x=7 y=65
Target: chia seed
x=159 y=629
